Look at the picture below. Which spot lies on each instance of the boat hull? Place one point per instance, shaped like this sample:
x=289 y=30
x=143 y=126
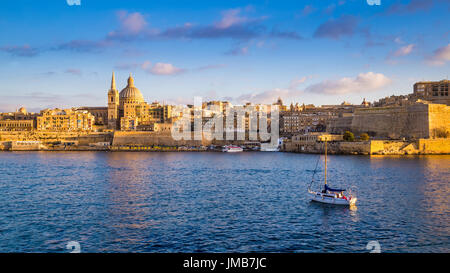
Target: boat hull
x=232 y=149
x=330 y=199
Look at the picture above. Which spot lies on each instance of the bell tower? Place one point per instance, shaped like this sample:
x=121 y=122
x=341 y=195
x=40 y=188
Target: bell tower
x=113 y=103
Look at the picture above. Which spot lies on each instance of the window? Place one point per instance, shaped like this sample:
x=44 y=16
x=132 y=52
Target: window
x=435 y=90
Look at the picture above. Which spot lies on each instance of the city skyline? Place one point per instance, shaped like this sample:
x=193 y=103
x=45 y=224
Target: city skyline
x=318 y=53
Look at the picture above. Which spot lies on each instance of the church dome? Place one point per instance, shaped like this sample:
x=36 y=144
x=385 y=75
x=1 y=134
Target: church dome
x=22 y=110
x=131 y=93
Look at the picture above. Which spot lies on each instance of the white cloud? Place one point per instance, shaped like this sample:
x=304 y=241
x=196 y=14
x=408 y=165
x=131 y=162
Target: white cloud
x=231 y=17
x=404 y=50
x=362 y=83
x=165 y=69
x=270 y=96
x=440 y=56
x=132 y=22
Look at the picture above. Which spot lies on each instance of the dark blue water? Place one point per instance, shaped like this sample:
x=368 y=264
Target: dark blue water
x=216 y=202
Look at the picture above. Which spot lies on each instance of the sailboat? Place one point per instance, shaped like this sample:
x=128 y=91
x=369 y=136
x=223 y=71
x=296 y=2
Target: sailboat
x=329 y=195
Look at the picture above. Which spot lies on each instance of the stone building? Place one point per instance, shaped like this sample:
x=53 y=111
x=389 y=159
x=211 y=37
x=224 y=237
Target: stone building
x=304 y=119
x=433 y=91
x=128 y=110
x=17 y=125
x=65 y=120
x=21 y=120
x=100 y=114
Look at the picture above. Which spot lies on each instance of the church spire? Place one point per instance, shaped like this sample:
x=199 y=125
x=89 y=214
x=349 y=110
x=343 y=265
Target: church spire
x=113 y=82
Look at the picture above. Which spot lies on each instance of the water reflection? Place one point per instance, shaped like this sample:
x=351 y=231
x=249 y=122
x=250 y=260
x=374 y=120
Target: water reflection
x=197 y=202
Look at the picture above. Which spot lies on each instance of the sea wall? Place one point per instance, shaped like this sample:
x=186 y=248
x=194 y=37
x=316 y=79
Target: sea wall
x=434 y=146
x=380 y=147
x=84 y=138
x=153 y=138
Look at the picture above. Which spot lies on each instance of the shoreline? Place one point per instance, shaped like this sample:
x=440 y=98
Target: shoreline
x=217 y=151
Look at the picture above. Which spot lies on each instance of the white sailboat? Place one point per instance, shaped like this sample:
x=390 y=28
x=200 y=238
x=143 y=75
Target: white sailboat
x=329 y=195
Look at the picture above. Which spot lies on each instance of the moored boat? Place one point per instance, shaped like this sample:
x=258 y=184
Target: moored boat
x=232 y=149
x=329 y=195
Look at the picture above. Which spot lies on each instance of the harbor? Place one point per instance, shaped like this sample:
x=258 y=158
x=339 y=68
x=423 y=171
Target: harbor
x=171 y=202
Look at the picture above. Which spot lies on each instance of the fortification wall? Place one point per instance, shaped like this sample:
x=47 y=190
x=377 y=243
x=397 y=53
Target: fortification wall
x=439 y=116
x=341 y=147
x=434 y=146
x=381 y=147
x=410 y=121
x=83 y=138
x=153 y=138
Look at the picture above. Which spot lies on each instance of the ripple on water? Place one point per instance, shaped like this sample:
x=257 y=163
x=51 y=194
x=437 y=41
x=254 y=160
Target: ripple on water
x=214 y=202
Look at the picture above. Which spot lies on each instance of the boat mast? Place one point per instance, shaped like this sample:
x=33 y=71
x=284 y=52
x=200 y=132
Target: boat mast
x=325 y=161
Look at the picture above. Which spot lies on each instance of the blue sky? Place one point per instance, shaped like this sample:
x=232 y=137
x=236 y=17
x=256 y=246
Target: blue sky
x=323 y=52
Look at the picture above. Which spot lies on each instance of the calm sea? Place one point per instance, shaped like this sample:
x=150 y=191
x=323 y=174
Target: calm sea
x=218 y=202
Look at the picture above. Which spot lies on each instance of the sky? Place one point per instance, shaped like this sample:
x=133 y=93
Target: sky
x=61 y=53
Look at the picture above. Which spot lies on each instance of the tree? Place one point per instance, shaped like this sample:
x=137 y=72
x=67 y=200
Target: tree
x=364 y=137
x=349 y=136
x=440 y=133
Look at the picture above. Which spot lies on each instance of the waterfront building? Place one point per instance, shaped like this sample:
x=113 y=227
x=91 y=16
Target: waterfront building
x=20 y=120
x=128 y=110
x=65 y=120
x=17 y=125
x=433 y=91
x=29 y=145
x=312 y=138
x=309 y=141
x=100 y=114
x=303 y=121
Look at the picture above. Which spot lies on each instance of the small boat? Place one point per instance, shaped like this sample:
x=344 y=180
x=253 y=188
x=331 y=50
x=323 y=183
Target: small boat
x=232 y=149
x=329 y=195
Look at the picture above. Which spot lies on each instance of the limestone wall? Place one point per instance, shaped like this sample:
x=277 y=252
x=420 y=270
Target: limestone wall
x=338 y=147
x=439 y=117
x=152 y=138
x=94 y=138
x=84 y=138
x=382 y=147
x=5 y=145
x=434 y=146
x=393 y=122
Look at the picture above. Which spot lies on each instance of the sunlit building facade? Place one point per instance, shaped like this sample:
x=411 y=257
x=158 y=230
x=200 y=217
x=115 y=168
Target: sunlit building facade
x=65 y=120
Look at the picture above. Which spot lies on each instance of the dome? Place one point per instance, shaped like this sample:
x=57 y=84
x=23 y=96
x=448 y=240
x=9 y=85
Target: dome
x=22 y=110
x=131 y=93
